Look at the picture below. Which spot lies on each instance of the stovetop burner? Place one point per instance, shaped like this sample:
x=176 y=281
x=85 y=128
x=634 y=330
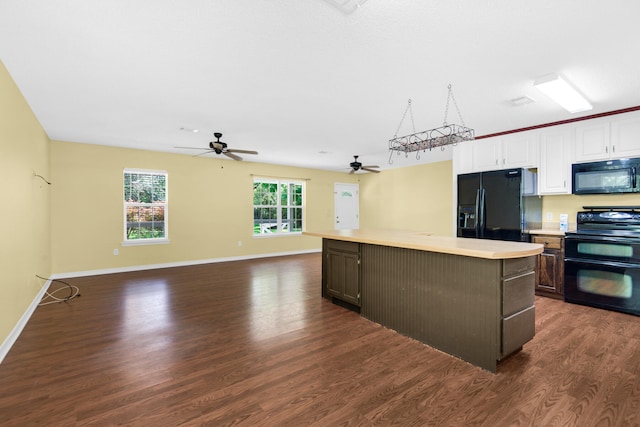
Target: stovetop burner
x=609 y=221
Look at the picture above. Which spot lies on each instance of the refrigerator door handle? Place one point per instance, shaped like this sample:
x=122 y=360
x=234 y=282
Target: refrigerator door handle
x=480 y=208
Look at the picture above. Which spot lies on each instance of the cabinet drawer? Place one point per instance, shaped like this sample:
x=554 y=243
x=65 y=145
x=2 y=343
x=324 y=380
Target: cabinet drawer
x=341 y=245
x=518 y=329
x=518 y=293
x=515 y=266
x=549 y=242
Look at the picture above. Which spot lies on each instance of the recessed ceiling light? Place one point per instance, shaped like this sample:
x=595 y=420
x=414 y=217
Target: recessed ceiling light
x=189 y=130
x=563 y=93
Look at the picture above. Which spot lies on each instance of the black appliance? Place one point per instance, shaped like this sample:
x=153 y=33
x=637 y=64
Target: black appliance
x=498 y=205
x=602 y=259
x=612 y=176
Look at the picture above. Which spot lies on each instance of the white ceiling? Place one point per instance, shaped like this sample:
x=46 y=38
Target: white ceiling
x=309 y=82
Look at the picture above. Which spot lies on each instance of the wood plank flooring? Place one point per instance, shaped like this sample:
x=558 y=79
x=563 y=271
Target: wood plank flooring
x=252 y=343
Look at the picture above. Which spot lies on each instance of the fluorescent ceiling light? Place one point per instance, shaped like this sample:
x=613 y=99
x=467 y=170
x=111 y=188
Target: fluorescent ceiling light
x=559 y=90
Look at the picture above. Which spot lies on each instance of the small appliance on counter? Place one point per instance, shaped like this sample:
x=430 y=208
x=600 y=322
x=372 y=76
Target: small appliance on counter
x=602 y=259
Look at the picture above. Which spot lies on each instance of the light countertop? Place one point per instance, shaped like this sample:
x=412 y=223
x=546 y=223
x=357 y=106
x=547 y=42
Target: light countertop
x=548 y=231
x=424 y=241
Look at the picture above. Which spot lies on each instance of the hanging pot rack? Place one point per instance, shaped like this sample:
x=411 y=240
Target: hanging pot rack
x=447 y=134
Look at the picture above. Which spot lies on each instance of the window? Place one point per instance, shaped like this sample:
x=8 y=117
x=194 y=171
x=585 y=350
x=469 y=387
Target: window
x=277 y=206
x=145 y=206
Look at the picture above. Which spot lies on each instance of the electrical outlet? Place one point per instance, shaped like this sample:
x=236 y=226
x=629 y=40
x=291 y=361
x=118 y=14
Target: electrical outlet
x=239 y=243
x=549 y=216
x=116 y=252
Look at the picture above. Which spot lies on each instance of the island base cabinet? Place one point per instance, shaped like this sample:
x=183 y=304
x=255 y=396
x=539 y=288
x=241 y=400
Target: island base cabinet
x=450 y=302
x=341 y=271
x=517 y=329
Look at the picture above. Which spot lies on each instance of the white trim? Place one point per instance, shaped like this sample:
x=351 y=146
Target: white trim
x=176 y=264
x=17 y=329
x=15 y=333
x=147 y=171
x=143 y=242
x=280 y=234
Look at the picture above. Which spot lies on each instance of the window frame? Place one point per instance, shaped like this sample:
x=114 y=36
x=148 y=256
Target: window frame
x=164 y=204
x=279 y=232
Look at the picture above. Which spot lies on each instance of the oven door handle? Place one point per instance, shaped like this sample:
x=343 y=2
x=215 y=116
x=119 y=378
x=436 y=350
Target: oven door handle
x=624 y=240
x=596 y=262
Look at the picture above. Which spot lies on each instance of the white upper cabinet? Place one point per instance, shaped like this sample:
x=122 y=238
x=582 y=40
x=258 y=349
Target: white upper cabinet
x=516 y=150
x=608 y=138
x=625 y=136
x=554 y=173
x=463 y=157
x=592 y=141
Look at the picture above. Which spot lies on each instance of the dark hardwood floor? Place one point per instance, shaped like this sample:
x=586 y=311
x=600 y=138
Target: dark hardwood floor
x=252 y=343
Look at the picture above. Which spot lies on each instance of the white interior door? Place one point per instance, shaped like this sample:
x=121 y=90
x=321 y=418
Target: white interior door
x=347 y=206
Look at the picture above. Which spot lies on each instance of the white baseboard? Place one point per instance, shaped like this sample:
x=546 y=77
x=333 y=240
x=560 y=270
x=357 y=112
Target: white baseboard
x=15 y=333
x=17 y=330
x=69 y=275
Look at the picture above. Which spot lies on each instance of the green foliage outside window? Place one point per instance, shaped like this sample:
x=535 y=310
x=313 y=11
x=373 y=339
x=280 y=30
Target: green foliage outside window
x=145 y=197
x=277 y=206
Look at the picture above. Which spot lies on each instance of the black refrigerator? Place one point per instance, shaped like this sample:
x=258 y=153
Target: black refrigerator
x=498 y=205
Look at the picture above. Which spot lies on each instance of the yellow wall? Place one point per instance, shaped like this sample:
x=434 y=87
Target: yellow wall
x=571 y=204
x=210 y=207
x=24 y=220
x=410 y=198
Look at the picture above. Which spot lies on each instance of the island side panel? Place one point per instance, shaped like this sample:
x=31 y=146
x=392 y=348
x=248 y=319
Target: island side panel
x=449 y=302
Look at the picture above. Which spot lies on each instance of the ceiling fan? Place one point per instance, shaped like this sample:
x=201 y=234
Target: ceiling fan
x=220 y=147
x=356 y=166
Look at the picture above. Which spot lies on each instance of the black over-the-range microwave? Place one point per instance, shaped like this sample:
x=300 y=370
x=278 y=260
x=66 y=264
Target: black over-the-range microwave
x=611 y=176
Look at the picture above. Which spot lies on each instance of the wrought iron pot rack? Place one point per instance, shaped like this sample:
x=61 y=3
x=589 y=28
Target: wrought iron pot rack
x=447 y=134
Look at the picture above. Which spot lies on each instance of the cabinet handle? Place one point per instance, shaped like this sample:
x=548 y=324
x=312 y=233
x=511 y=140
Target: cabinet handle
x=613 y=148
x=606 y=149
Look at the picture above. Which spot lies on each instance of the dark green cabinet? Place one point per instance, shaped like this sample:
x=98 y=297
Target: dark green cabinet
x=341 y=271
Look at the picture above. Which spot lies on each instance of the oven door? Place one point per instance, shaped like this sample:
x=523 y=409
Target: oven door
x=603 y=248
x=604 y=284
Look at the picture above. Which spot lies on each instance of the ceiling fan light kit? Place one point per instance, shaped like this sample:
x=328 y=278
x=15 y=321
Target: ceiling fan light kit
x=356 y=166
x=220 y=147
x=447 y=134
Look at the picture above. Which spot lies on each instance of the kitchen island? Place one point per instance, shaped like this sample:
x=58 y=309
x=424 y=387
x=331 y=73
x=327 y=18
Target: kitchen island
x=470 y=298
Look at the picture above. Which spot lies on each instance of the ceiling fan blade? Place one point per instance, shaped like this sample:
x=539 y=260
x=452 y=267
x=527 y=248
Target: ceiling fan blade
x=229 y=150
x=370 y=166
x=369 y=170
x=202 y=154
x=233 y=156
x=352 y=171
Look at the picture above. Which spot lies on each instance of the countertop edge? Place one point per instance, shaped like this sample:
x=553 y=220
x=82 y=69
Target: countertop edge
x=441 y=244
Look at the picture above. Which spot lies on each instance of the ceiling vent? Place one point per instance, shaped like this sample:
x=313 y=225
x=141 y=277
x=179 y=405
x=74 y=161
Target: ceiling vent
x=523 y=100
x=346 y=6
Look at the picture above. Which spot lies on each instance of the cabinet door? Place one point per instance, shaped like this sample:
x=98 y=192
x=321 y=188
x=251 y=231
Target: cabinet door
x=625 y=137
x=487 y=154
x=548 y=279
x=343 y=278
x=463 y=157
x=555 y=167
x=520 y=150
x=592 y=141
